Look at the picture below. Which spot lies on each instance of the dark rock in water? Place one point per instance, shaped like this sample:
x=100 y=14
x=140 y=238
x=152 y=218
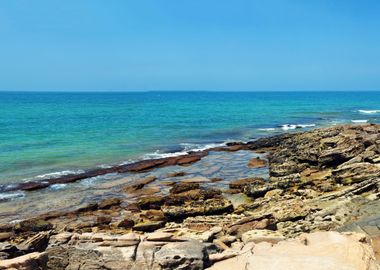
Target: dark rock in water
x=268 y=142
x=182 y=187
x=139 y=184
x=139 y=166
x=176 y=174
x=108 y=203
x=145 y=165
x=257 y=163
x=188 y=160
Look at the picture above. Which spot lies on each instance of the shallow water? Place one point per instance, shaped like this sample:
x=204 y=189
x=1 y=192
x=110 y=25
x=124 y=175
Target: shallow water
x=224 y=165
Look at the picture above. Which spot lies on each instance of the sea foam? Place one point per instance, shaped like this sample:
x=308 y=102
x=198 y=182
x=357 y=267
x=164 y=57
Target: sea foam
x=359 y=121
x=369 y=111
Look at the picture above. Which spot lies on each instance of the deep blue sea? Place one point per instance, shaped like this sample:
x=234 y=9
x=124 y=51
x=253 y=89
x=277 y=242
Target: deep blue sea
x=54 y=133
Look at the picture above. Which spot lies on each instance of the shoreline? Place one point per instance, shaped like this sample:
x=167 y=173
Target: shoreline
x=323 y=184
x=144 y=165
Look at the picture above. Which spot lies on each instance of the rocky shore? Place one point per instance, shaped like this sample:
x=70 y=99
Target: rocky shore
x=319 y=208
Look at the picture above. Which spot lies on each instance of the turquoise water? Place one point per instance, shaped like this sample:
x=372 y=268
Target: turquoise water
x=44 y=133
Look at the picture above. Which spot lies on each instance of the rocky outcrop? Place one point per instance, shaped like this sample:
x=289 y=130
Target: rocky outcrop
x=351 y=151
x=320 y=180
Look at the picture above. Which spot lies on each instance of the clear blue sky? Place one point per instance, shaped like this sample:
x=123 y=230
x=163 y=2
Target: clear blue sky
x=189 y=45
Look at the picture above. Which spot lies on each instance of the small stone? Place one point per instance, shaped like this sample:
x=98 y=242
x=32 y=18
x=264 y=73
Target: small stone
x=176 y=174
x=5 y=236
x=103 y=220
x=126 y=223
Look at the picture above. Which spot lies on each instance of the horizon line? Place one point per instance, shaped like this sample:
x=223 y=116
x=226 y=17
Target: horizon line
x=149 y=91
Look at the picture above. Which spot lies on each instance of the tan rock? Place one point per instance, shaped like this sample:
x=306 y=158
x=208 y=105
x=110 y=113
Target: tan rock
x=257 y=236
x=198 y=179
x=316 y=251
x=31 y=261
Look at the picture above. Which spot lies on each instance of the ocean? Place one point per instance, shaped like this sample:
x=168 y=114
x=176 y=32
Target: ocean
x=46 y=134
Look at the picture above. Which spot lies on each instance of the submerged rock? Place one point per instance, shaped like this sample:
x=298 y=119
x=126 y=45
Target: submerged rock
x=257 y=163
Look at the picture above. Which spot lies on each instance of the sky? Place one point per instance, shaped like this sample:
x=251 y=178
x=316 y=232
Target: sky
x=235 y=45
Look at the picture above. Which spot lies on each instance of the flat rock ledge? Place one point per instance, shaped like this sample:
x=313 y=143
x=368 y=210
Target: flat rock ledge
x=159 y=251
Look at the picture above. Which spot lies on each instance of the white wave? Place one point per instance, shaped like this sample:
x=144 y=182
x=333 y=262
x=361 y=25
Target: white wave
x=359 y=121
x=11 y=195
x=369 y=111
x=201 y=147
x=306 y=125
x=294 y=126
x=158 y=154
x=104 y=166
x=266 y=129
x=53 y=175
x=58 y=186
x=187 y=147
x=126 y=162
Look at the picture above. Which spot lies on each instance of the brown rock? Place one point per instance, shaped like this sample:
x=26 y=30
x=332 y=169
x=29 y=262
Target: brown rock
x=31 y=261
x=176 y=174
x=151 y=202
x=194 y=208
x=257 y=163
x=139 y=184
x=149 y=226
x=238 y=230
x=241 y=183
x=153 y=215
x=5 y=236
x=33 y=225
x=189 y=159
x=182 y=187
x=108 y=203
x=126 y=223
x=37 y=242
